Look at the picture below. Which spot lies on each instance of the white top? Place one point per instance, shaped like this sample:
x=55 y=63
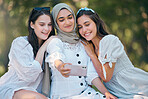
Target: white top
x=127 y=81
x=69 y=53
x=23 y=73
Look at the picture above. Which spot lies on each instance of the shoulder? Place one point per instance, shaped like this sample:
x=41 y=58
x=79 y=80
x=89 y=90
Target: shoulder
x=109 y=39
x=55 y=39
x=20 y=42
x=21 y=39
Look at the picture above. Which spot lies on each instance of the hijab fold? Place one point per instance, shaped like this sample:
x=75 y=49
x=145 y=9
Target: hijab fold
x=69 y=37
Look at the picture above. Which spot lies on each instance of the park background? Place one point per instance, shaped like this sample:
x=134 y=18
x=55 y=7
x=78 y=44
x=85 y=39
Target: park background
x=128 y=19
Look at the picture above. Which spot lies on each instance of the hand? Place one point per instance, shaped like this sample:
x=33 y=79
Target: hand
x=110 y=96
x=64 y=71
x=89 y=48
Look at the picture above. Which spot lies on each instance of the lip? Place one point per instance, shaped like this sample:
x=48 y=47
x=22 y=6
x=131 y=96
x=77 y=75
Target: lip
x=44 y=33
x=68 y=26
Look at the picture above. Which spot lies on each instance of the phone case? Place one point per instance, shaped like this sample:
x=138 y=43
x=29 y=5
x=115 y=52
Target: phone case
x=77 y=70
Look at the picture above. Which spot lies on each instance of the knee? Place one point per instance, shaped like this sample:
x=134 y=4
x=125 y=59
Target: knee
x=25 y=94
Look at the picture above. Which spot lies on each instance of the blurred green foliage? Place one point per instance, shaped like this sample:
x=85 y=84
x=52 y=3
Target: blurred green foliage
x=128 y=19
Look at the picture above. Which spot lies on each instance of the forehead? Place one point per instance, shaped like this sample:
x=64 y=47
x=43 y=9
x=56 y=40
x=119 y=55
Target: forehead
x=83 y=19
x=44 y=18
x=64 y=13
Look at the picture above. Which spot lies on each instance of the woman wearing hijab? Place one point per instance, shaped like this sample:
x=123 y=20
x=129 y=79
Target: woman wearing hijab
x=66 y=48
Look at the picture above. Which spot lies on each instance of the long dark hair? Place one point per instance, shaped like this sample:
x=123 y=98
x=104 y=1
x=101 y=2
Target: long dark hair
x=32 y=38
x=101 y=29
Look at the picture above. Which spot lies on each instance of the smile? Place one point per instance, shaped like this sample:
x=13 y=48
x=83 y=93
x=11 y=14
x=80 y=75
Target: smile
x=68 y=26
x=87 y=34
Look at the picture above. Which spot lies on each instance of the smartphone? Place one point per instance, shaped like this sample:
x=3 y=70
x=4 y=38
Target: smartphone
x=77 y=70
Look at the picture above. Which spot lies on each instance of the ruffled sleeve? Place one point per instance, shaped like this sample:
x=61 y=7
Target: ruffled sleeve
x=55 y=51
x=110 y=49
x=22 y=60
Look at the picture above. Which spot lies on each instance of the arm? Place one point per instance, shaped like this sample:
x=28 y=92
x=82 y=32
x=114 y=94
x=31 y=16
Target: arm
x=97 y=64
x=60 y=67
x=22 y=60
x=42 y=49
x=99 y=85
x=56 y=56
x=104 y=60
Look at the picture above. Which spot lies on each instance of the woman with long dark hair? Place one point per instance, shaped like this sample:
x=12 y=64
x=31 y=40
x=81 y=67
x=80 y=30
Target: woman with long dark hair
x=26 y=56
x=109 y=58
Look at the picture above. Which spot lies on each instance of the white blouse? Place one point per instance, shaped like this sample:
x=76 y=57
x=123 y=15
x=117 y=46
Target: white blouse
x=23 y=73
x=69 y=53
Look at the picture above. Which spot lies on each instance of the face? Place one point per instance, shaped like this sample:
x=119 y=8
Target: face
x=42 y=27
x=87 y=27
x=65 y=20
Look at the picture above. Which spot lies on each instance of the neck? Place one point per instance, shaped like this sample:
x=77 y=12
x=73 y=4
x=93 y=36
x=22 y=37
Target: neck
x=40 y=42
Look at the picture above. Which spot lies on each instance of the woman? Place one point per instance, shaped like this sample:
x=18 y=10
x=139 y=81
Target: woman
x=26 y=56
x=107 y=53
x=67 y=49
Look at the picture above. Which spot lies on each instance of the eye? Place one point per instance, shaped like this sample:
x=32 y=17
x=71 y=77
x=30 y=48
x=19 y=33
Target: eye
x=87 y=24
x=42 y=24
x=61 y=20
x=50 y=24
x=79 y=27
x=70 y=17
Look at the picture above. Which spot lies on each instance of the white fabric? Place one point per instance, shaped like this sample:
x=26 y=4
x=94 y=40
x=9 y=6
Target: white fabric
x=71 y=86
x=127 y=80
x=24 y=72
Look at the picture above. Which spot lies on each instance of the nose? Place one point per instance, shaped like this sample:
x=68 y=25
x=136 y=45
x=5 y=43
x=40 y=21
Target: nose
x=46 y=28
x=84 y=29
x=67 y=21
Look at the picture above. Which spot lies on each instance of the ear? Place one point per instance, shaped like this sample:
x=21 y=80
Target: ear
x=32 y=25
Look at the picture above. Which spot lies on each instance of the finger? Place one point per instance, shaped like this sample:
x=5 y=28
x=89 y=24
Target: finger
x=65 y=72
x=66 y=76
x=62 y=65
x=69 y=63
x=65 y=69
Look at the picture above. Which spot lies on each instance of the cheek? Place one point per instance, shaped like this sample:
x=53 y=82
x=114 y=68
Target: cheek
x=80 y=31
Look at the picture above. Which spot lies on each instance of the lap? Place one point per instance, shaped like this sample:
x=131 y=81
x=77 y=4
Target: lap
x=27 y=94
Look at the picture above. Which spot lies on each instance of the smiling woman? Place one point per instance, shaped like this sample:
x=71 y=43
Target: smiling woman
x=22 y=81
x=67 y=52
x=110 y=59
x=65 y=20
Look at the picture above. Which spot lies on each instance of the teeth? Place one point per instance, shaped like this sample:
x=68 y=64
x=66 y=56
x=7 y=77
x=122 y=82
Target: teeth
x=87 y=34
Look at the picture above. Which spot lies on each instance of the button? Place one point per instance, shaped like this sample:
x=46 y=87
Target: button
x=79 y=62
x=81 y=84
x=77 y=55
x=79 y=76
x=104 y=96
x=97 y=93
x=89 y=92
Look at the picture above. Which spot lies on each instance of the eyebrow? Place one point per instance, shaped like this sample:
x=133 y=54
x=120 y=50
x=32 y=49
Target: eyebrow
x=63 y=17
x=86 y=22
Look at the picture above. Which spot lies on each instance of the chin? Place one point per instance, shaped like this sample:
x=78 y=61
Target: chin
x=45 y=38
x=88 y=39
